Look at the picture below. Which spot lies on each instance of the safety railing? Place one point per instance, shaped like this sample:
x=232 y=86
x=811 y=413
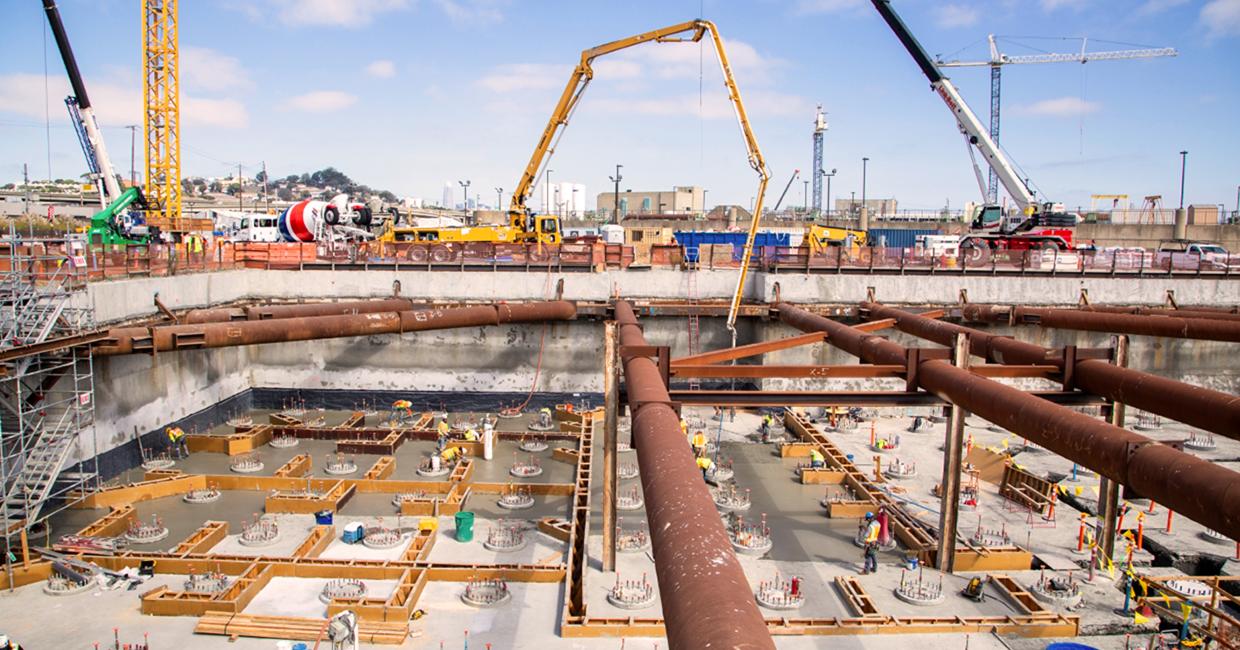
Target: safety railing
x=110 y=262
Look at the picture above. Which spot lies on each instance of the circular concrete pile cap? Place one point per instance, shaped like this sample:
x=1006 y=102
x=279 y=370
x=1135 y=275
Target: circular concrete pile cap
x=157 y=464
x=516 y=502
x=774 y=599
x=533 y=446
x=71 y=589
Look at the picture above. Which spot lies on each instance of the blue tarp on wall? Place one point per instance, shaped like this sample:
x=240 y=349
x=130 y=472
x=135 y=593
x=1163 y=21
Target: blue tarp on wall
x=691 y=240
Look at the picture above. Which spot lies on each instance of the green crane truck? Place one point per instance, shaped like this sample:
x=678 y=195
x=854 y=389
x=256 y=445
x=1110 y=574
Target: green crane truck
x=116 y=226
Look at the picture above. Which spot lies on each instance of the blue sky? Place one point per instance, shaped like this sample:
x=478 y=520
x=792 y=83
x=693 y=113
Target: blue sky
x=410 y=94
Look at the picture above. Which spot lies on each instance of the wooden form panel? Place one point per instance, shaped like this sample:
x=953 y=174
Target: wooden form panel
x=297 y=466
x=246 y=439
x=855 y=596
x=1026 y=626
x=204 y=539
x=332 y=499
x=110 y=525
x=822 y=476
x=143 y=491
x=1001 y=558
x=315 y=543
x=1025 y=489
x=296 y=629
x=555 y=528
x=382 y=469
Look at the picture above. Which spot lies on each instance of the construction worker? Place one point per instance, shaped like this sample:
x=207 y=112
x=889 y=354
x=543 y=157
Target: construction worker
x=816 y=459
x=705 y=464
x=8 y=644
x=684 y=427
x=767 y=421
x=699 y=443
x=443 y=430
x=870 y=530
x=452 y=454
x=471 y=434
x=176 y=442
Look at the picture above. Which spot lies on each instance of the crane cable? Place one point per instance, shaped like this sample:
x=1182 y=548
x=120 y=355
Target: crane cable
x=542 y=338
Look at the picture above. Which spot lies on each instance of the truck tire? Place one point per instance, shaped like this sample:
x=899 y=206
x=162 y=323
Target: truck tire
x=417 y=253
x=974 y=252
x=363 y=217
x=331 y=215
x=441 y=254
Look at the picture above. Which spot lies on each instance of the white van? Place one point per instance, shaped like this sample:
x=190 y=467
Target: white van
x=257 y=227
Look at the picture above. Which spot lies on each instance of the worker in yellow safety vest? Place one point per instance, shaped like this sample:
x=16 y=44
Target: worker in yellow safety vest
x=443 y=430
x=471 y=434
x=699 y=443
x=816 y=459
x=452 y=454
x=176 y=440
x=870 y=530
x=705 y=464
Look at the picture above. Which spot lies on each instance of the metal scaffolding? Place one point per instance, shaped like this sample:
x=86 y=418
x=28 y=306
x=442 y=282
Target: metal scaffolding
x=46 y=380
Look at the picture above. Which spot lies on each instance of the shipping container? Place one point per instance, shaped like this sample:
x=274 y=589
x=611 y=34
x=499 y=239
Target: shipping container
x=897 y=237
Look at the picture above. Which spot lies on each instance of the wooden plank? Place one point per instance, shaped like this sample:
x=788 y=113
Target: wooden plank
x=752 y=349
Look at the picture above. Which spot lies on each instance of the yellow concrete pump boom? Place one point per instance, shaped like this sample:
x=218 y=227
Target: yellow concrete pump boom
x=691 y=31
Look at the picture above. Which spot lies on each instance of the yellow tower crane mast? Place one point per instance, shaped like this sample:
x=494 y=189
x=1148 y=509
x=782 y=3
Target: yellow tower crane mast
x=693 y=31
x=162 y=113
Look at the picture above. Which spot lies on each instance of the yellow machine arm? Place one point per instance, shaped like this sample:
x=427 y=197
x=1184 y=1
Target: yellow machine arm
x=691 y=31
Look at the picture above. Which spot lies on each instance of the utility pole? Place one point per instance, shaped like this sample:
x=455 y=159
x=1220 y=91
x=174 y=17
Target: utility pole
x=548 y=200
x=829 y=177
x=499 y=198
x=615 y=206
x=805 y=196
x=864 y=219
x=240 y=187
x=1183 y=168
x=133 y=140
x=266 y=195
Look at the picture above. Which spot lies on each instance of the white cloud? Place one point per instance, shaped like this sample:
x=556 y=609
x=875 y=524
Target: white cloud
x=826 y=6
x=472 y=11
x=381 y=69
x=208 y=70
x=224 y=113
x=321 y=101
x=335 y=13
x=511 y=77
x=114 y=104
x=1060 y=107
x=1151 y=7
x=953 y=15
x=1221 y=17
x=1051 y=5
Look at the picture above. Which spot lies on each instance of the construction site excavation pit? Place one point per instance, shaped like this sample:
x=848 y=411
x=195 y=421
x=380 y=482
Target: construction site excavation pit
x=293 y=505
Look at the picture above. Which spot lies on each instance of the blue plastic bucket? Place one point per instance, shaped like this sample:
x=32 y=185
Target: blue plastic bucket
x=323 y=517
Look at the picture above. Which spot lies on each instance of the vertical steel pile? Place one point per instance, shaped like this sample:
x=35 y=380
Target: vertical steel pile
x=707 y=601
x=1204 y=492
x=1199 y=407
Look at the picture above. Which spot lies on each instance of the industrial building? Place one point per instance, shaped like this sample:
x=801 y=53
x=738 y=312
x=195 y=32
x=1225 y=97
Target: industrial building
x=687 y=200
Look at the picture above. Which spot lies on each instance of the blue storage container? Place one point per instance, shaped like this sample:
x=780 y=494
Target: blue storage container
x=323 y=517
x=897 y=237
x=353 y=533
x=691 y=240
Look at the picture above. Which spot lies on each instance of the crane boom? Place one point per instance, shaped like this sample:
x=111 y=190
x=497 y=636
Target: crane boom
x=109 y=189
x=969 y=124
x=692 y=32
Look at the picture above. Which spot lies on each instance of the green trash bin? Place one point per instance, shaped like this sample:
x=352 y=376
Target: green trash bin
x=464 y=526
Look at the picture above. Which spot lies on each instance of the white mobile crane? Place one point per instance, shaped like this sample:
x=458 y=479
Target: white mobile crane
x=1039 y=226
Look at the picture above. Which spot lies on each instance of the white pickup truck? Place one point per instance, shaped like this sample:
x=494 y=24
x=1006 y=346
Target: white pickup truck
x=1194 y=256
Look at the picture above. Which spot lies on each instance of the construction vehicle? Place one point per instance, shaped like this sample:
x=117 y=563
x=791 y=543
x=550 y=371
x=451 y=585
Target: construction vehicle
x=820 y=238
x=524 y=226
x=116 y=223
x=1038 y=225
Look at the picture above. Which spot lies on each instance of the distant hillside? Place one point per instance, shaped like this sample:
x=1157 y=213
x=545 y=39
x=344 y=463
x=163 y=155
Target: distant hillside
x=322 y=184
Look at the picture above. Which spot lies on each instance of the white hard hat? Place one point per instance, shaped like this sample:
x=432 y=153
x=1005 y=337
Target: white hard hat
x=4 y=640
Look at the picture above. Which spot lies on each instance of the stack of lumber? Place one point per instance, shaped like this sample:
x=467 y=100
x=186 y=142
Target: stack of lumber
x=295 y=629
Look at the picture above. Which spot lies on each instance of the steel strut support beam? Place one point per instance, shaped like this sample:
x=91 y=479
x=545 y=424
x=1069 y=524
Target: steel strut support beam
x=707 y=601
x=611 y=417
x=1203 y=408
x=268 y=312
x=953 y=462
x=1203 y=491
x=1205 y=329
x=128 y=340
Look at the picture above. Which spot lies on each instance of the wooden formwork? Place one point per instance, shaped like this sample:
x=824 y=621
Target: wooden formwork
x=297 y=466
x=1025 y=489
x=26 y=574
x=555 y=528
x=388 y=444
x=143 y=491
x=315 y=543
x=202 y=540
x=246 y=439
x=296 y=629
x=1028 y=626
x=396 y=608
x=113 y=524
x=998 y=558
x=822 y=476
x=855 y=596
x=565 y=455
x=579 y=530
x=559 y=489
x=382 y=469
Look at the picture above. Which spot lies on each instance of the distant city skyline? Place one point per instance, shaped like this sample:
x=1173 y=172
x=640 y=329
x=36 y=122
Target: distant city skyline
x=457 y=89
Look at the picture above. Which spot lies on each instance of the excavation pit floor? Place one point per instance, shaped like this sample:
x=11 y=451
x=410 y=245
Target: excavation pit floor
x=805 y=542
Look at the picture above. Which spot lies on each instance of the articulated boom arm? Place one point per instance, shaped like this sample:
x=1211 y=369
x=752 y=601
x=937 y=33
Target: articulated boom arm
x=972 y=128
x=691 y=31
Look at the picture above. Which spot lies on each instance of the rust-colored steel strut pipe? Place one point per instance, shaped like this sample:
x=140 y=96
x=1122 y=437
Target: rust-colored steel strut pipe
x=1202 y=491
x=306 y=310
x=1203 y=408
x=707 y=601
x=1180 y=312
x=127 y=340
x=1092 y=321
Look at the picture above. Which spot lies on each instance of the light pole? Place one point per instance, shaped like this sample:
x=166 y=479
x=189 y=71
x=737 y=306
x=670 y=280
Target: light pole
x=805 y=196
x=465 y=204
x=1183 y=168
x=499 y=198
x=852 y=203
x=829 y=177
x=704 y=210
x=864 y=164
x=615 y=206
